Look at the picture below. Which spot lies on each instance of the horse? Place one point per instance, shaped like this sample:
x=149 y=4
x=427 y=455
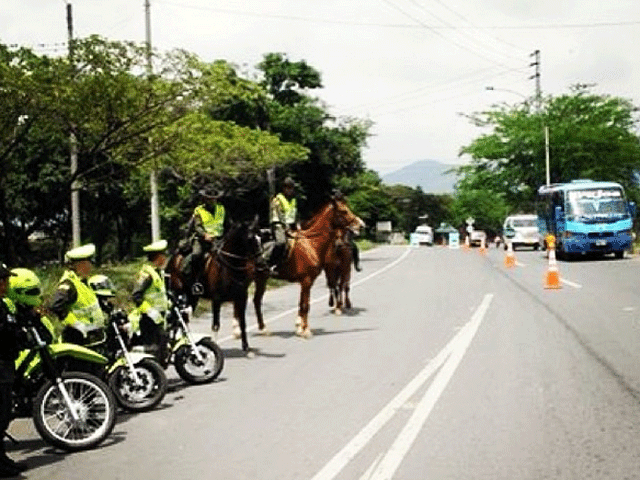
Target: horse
x=228 y=271
x=338 y=270
x=310 y=250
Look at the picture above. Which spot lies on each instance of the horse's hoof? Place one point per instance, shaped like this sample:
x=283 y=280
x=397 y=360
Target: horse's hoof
x=264 y=331
x=337 y=311
x=306 y=333
x=250 y=354
x=299 y=331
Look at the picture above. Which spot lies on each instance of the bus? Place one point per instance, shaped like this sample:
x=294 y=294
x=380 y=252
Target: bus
x=586 y=217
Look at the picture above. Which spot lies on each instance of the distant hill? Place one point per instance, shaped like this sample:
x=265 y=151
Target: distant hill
x=427 y=174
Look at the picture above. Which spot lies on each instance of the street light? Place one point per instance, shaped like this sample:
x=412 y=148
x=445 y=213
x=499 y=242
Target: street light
x=546 y=129
x=507 y=90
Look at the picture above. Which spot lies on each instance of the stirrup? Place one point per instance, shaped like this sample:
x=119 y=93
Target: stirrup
x=197 y=288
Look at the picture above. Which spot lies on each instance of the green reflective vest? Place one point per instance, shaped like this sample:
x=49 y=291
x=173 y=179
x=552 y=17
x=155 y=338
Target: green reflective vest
x=156 y=295
x=213 y=223
x=86 y=309
x=283 y=210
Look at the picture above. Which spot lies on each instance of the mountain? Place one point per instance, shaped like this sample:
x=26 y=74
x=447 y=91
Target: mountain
x=427 y=174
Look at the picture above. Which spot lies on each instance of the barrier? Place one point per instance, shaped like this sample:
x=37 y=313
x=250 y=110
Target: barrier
x=483 y=247
x=510 y=257
x=552 y=278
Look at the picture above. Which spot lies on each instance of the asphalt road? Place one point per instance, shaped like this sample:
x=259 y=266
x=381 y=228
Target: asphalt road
x=449 y=366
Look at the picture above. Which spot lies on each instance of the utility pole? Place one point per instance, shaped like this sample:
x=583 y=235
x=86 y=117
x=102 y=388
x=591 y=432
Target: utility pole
x=73 y=148
x=536 y=76
x=155 y=210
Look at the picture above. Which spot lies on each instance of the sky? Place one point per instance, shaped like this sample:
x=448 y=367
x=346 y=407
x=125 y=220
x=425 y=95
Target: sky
x=415 y=68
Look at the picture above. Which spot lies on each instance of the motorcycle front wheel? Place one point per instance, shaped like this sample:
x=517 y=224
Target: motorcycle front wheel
x=93 y=402
x=142 y=395
x=194 y=371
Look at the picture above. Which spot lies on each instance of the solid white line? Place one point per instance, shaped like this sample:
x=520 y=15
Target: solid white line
x=392 y=460
x=322 y=297
x=571 y=284
x=344 y=456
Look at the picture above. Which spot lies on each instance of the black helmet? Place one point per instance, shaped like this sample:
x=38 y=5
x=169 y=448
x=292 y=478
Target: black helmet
x=210 y=191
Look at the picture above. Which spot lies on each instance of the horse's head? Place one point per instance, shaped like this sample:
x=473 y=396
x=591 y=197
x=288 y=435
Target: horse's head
x=343 y=216
x=242 y=239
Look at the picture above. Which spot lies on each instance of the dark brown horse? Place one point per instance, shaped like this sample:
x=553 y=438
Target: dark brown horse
x=338 y=270
x=229 y=269
x=310 y=249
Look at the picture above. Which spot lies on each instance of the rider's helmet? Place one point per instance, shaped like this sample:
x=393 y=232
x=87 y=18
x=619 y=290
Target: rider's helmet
x=24 y=287
x=102 y=286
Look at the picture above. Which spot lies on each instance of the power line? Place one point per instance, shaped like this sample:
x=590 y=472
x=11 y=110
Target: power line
x=296 y=18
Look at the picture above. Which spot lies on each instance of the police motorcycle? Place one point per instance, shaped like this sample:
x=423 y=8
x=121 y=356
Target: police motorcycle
x=136 y=379
x=196 y=357
x=71 y=410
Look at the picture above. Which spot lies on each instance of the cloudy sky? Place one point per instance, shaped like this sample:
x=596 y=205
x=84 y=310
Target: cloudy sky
x=413 y=67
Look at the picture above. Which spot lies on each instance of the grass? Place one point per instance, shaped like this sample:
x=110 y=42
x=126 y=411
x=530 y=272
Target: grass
x=123 y=275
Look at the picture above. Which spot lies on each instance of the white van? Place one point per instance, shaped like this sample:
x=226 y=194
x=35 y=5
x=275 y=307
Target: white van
x=521 y=230
x=424 y=235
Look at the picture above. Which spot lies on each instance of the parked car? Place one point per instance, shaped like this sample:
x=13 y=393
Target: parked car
x=476 y=237
x=521 y=230
x=424 y=235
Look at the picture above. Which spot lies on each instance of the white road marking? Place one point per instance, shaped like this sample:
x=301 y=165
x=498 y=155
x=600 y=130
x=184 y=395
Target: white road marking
x=392 y=460
x=570 y=283
x=453 y=351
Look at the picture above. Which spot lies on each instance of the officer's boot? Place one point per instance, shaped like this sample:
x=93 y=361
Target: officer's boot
x=198 y=271
x=9 y=467
x=356 y=257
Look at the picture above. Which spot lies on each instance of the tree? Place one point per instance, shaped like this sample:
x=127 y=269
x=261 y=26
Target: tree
x=591 y=136
x=334 y=146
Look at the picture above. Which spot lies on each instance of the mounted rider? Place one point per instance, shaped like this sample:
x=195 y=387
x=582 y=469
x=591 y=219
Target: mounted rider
x=349 y=236
x=204 y=230
x=283 y=220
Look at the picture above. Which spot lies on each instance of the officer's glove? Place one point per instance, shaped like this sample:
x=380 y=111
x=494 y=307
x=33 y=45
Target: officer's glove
x=154 y=315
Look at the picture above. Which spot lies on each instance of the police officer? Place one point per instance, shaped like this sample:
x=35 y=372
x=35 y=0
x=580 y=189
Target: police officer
x=9 y=349
x=284 y=217
x=150 y=297
x=206 y=226
x=74 y=302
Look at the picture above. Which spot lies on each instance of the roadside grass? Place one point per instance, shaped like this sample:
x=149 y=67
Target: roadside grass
x=123 y=276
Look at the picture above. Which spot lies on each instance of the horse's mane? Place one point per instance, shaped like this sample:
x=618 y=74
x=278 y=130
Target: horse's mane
x=312 y=222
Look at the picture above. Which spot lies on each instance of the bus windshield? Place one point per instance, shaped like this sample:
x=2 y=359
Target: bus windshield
x=596 y=202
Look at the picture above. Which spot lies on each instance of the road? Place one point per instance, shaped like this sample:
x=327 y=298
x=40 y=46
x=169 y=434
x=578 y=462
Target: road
x=450 y=366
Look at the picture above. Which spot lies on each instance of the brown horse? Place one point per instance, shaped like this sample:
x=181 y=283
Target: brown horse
x=229 y=269
x=310 y=249
x=338 y=271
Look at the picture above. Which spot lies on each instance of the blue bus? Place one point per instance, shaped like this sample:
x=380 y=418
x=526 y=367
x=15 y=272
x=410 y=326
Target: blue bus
x=586 y=217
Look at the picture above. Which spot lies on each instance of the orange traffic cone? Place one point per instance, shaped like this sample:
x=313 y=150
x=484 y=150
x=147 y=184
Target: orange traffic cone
x=483 y=247
x=510 y=257
x=552 y=279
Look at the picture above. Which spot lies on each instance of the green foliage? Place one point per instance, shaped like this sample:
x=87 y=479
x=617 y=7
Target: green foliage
x=591 y=136
x=190 y=121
